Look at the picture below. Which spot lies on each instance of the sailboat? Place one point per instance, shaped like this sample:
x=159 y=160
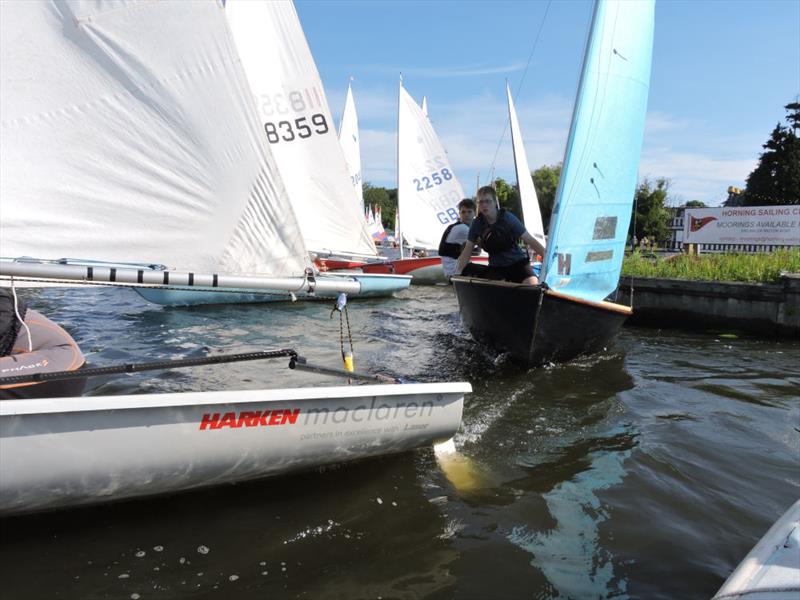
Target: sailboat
x=126 y=155
x=351 y=145
x=297 y=123
x=428 y=193
x=568 y=314
x=531 y=214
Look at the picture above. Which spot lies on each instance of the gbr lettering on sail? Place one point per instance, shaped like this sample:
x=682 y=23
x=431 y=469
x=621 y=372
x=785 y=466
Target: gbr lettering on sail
x=437 y=173
x=428 y=192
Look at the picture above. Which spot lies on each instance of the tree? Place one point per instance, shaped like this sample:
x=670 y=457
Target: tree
x=695 y=204
x=508 y=197
x=776 y=179
x=545 y=180
x=383 y=198
x=650 y=214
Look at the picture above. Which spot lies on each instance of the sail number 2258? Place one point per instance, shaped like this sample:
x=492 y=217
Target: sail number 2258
x=435 y=178
x=290 y=130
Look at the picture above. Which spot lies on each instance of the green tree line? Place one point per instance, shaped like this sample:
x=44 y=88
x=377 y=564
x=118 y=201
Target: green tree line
x=775 y=180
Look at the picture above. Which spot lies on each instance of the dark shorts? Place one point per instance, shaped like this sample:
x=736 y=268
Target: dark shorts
x=516 y=273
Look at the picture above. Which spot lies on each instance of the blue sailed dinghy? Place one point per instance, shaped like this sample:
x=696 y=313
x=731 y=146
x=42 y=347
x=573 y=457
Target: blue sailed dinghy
x=568 y=315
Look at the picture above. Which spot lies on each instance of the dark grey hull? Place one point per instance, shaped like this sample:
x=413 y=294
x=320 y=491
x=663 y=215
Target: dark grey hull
x=534 y=325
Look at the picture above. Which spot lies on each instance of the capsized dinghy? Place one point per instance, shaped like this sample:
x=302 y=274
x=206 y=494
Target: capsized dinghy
x=68 y=452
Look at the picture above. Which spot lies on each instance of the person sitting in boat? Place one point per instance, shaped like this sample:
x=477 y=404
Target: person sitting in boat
x=31 y=343
x=498 y=232
x=455 y=236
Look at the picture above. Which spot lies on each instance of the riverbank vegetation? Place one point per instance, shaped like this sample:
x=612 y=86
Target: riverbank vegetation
x=775 y=181
x=763 y=267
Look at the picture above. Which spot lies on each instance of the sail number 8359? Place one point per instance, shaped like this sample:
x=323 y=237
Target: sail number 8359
x=301 y=128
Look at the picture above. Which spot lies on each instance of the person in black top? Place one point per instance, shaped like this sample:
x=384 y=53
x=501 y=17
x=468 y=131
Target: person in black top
x=455 y=236
x=498 y=232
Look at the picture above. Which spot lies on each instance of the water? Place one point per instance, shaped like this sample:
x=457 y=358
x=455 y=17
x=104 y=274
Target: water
x=645 y=472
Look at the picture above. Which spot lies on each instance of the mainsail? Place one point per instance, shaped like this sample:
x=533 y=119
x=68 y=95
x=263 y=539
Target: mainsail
x=298 y=125
x=349 y=141
x=527 y=192
x=428 y=191
x=593 y=204
x=114 y=145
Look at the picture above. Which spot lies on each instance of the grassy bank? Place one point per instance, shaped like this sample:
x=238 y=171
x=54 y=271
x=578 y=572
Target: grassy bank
x=764 y=267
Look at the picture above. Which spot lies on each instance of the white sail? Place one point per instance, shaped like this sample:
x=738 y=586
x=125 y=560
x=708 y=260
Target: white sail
x=425 y=105
x=428 y=191
x=527 y=192
x=297 y=123
x=115 y=146
x=349 y=141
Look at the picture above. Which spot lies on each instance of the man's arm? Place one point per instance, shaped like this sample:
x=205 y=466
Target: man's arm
x=463 y=258
x=533 y=243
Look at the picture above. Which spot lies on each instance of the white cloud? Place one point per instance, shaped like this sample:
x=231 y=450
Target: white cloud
x=695 y=176
x=440 y=72
x=658 y=122
x=699 y=163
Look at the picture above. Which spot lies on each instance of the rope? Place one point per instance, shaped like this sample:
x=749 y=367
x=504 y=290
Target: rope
x=342 y=318
x=349 y=334
x=633 y=237
x=19 y=317
x=137 y=367
x=519 y=87
x=341 y=307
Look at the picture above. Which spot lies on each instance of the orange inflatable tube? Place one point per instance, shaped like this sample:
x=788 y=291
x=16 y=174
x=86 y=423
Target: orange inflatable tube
x=53 y=349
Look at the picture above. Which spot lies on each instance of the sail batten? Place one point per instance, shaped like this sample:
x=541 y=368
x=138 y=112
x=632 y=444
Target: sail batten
x=591 y=214
x=296 y=121
x=114 y=147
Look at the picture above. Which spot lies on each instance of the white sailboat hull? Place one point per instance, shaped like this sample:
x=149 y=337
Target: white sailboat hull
x=771 y=571
x=67 y=452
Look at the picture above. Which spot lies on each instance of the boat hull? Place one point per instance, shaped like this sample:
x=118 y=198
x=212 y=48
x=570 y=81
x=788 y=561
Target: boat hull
x=372 y=286
x=534 y=325
x=771 y=570
x=423 y=271
x=58 y=453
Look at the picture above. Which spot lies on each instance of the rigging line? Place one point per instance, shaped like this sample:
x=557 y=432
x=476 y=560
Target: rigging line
x=519 y=87
x=556 y=218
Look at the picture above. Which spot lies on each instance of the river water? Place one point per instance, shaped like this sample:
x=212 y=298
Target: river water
x=646 y=472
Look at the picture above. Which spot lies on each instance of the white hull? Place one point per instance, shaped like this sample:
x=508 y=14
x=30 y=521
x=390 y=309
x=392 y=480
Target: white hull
x=428 y=275
x=57 y=453
x=771 y=571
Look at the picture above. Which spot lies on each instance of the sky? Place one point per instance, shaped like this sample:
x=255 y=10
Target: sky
x=722 y=72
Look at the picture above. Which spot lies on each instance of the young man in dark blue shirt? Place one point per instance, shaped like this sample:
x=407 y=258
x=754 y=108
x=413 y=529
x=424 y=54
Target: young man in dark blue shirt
x=498 y=232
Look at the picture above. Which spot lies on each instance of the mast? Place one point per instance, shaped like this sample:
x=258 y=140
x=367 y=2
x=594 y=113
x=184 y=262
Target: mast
x=399 y=233
x=552 y=230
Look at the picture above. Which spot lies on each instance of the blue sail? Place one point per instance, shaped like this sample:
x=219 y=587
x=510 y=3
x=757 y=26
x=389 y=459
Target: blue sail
x=592 y=211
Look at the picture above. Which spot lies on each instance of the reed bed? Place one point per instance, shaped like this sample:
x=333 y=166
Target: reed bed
x=764 y=267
